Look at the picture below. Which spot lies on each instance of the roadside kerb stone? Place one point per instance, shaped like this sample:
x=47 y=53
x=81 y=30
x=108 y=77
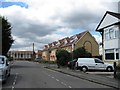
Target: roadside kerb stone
x=92 y=78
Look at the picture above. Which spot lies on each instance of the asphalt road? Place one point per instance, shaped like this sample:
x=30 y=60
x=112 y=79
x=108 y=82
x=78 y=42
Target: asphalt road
x=25 y=74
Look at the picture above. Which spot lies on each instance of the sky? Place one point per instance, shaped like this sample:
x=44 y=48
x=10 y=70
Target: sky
x=44 y=21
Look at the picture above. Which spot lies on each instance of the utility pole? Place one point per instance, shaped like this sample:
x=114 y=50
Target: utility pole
x=0 y=37
x=33 y=56
x=33 y=48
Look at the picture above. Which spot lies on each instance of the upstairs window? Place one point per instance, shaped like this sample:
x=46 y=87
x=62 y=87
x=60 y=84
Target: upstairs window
x=116 y=32
x=107 y=34
x=111 y=32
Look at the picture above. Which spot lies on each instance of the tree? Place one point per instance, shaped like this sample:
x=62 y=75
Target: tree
x=63 y=56
x=7 y=38
x=80 y=53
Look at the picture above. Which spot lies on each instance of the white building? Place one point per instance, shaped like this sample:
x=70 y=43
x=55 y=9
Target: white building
x=21 y=55
x=109 y=27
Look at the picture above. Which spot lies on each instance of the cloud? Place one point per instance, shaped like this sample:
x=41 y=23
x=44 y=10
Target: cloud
x=45 y=21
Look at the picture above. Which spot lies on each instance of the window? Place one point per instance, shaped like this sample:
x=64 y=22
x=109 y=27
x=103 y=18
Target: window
x=116 y=32
x=21 y=55
x=1 y=60
x=106 y=34
x=109 y=54
x=111 y=31
x=98 y=61
x=117 y=54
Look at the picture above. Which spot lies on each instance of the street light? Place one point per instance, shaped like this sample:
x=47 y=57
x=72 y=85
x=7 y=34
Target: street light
x=49 y=51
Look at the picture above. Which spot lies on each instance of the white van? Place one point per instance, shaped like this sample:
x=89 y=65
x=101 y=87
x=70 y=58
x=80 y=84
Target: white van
x=85 y=64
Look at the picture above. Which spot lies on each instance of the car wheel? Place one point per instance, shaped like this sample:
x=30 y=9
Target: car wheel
x=109 y=69
x=84 y=69
x=3 y=82
x=9 y=75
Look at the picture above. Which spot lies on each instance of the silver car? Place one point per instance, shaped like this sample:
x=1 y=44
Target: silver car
x=4 y=68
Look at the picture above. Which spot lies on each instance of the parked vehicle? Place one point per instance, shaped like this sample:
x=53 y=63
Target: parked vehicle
x=71 y=64
x=38 y=59
x=4 y=68
x=86 y=64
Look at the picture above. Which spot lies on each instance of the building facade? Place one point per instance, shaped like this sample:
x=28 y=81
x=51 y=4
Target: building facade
x=21 y=55
x=109 y=27
x=84 y=39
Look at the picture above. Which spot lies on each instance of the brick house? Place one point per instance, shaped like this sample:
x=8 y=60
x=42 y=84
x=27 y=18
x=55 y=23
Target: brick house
x=84 y=39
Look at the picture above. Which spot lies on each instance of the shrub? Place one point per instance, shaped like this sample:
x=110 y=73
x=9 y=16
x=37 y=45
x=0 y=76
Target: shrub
x=63 y=56
x=80 y=53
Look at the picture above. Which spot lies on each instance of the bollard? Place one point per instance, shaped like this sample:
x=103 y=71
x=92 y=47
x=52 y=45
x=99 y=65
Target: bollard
x=114 y=69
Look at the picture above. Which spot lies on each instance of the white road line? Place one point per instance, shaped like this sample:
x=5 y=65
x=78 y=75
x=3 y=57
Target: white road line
x=65 y=84
x=68 y=75
x=57 y=80
x=53 y=77
x=12 y=87
x=48 y=75
x=14 y=83
x=69 y=86
x=62 y=83
x=15 y=79
x=50 y=70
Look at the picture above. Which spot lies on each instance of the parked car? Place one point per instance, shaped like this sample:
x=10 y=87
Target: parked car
x=38 y=59
x=4 y=68
x=86 y=64
x=71 y=64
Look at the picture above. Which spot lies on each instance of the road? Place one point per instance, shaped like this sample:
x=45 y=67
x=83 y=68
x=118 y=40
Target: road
x=25 y=74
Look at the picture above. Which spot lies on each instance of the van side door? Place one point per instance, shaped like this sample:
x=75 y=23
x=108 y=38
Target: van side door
x=99 y=65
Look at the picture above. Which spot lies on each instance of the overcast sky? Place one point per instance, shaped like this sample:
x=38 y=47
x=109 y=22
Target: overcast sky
x=44 y=21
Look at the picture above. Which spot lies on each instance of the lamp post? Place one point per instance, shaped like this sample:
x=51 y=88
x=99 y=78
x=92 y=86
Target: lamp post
x=0 y=37
x=33 y=56
x=49 y=51
x=73 y=47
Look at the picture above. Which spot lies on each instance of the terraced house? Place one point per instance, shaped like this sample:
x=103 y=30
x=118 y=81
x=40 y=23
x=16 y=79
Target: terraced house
x=84 y=39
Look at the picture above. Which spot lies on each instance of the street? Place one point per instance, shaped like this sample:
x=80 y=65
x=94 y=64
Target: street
x=25 y=74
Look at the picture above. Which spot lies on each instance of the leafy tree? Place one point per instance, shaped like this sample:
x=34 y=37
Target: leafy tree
x=80 y=53
x=63 y=56
x=7 y=38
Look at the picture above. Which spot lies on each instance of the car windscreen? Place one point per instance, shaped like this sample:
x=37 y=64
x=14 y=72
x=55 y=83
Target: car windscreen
x=1 y=60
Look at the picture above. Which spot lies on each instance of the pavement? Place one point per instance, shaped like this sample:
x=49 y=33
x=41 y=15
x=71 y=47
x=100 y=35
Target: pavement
x=108 y=81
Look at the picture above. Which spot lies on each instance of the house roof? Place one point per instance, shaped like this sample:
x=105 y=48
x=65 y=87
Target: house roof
x=26 y=52
x=116 y=15
x=65 y=41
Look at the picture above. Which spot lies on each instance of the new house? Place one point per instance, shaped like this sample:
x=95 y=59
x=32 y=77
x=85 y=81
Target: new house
x=83 y=39
x=109 y=27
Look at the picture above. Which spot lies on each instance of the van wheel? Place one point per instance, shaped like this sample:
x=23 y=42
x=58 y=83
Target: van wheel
x=109 y=69
x=84 y=69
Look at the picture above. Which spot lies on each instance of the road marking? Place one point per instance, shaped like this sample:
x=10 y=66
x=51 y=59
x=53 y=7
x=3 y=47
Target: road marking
x=12 y=87
x=68 y=75
x=51 y=70
x=48 y=75
x=62 y=83
x=53 y=77
x=57 y=80
x=14 y=82
x=69 y=86
x=65 y=84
